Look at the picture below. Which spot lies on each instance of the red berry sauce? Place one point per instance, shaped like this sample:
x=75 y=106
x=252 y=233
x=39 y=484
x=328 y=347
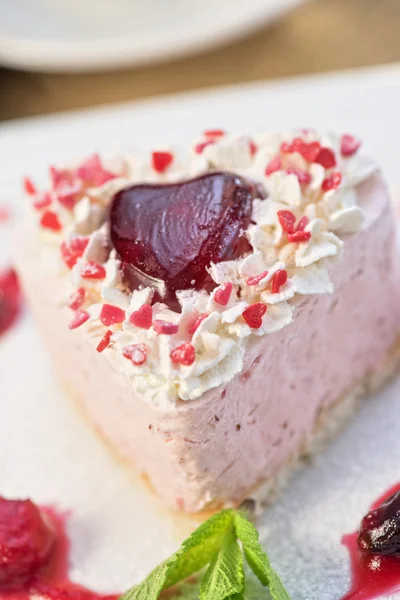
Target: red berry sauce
x=10 y=300
x=34 y=555
x=373 y=575
x=167 y=235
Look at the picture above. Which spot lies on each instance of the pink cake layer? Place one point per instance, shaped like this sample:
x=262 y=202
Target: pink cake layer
x=213 y=450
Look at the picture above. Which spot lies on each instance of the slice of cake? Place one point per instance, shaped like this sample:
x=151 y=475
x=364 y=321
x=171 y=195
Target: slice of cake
x=217 y=311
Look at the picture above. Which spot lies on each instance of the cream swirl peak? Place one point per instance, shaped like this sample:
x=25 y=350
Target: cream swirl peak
x=303 y=206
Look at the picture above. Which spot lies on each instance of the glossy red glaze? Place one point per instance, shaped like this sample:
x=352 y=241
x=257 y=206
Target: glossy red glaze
x=167 y=235
x=372 y=575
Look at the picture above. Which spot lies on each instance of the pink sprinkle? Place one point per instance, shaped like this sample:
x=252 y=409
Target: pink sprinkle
x=349 y=145
x=80 y=317
x=5 y=214
x=253 y=314
x=161 y=161
x=304 y=221
x=72 y=249
x=110 y=315
x=76 y=299
x=256 y=280
x=49 y=220
x=42 y=202
x=303 y=176
x=279 y=279
x=287 y=220
x=332 y=182
x=214 y=133
x=184 y=354
x=165 y=327
x=105 y=341
x=193 y=327
x=253 y=148
x=93 y=270
x=92 y=172
x=143 y=317
x=223 y=293
x=274 y=165
x=299 y=236
x=200 y=146
x=310 y=151
x=29 y=187
x=137 y=353
x=326 y=158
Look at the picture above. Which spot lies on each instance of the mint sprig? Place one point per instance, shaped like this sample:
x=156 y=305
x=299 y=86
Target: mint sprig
x=218 y=543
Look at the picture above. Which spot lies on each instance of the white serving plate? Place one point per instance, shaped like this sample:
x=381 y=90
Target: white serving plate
x=118 y=531
x=71 y=35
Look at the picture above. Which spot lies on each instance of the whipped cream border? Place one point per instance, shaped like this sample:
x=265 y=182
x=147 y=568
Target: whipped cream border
x=223 y=335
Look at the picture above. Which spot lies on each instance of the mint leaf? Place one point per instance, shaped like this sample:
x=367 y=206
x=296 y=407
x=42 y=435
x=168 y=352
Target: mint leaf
x=257 y=558
x=194 y=554
x=201 y=546
x=224 y=578
x=151 y=587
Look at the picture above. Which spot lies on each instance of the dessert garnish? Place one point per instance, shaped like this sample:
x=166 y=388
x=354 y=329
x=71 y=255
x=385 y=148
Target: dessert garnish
x=167 y=235
x=26 y=542
x=375 y=549
x=10 y=299
x=380 y=529
x=34 y=553
x=217 y=550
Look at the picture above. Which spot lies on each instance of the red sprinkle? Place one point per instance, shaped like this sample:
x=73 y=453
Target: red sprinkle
x=287 y=220
x=223 y=293
x=110 y=315
x=299 y=236
x=143 y=317
x=80 y=317
x=76 y=299
x=349 y=145
x=93 y=270
x=286 y=148
x=92 y=172
x=303 y=176
x=42 y=202
x=279 y=279
x=252 y=147
x=29 y=187
x=310 y=151
x=254 y=313
x=193 y=327
x=49 y=220
x=274 y=165
x=214 y=133
x=105 y=341
x=201 y=145
x=73 y=248
x=137 y=353
x=304 y=221
x=165 y=327
x=326 y=158
x=256 y=279
x=332 y=182
x=161 y=161
x=184 y=354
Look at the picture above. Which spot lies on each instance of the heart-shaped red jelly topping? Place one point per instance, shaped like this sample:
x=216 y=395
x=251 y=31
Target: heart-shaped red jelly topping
x=167 y=235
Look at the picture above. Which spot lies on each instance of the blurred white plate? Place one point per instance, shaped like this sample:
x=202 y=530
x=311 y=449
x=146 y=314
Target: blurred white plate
x=49 y=453
x=72 y=35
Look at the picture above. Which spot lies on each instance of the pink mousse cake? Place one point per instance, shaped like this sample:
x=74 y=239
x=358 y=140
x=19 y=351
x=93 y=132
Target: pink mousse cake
x=217 y=310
